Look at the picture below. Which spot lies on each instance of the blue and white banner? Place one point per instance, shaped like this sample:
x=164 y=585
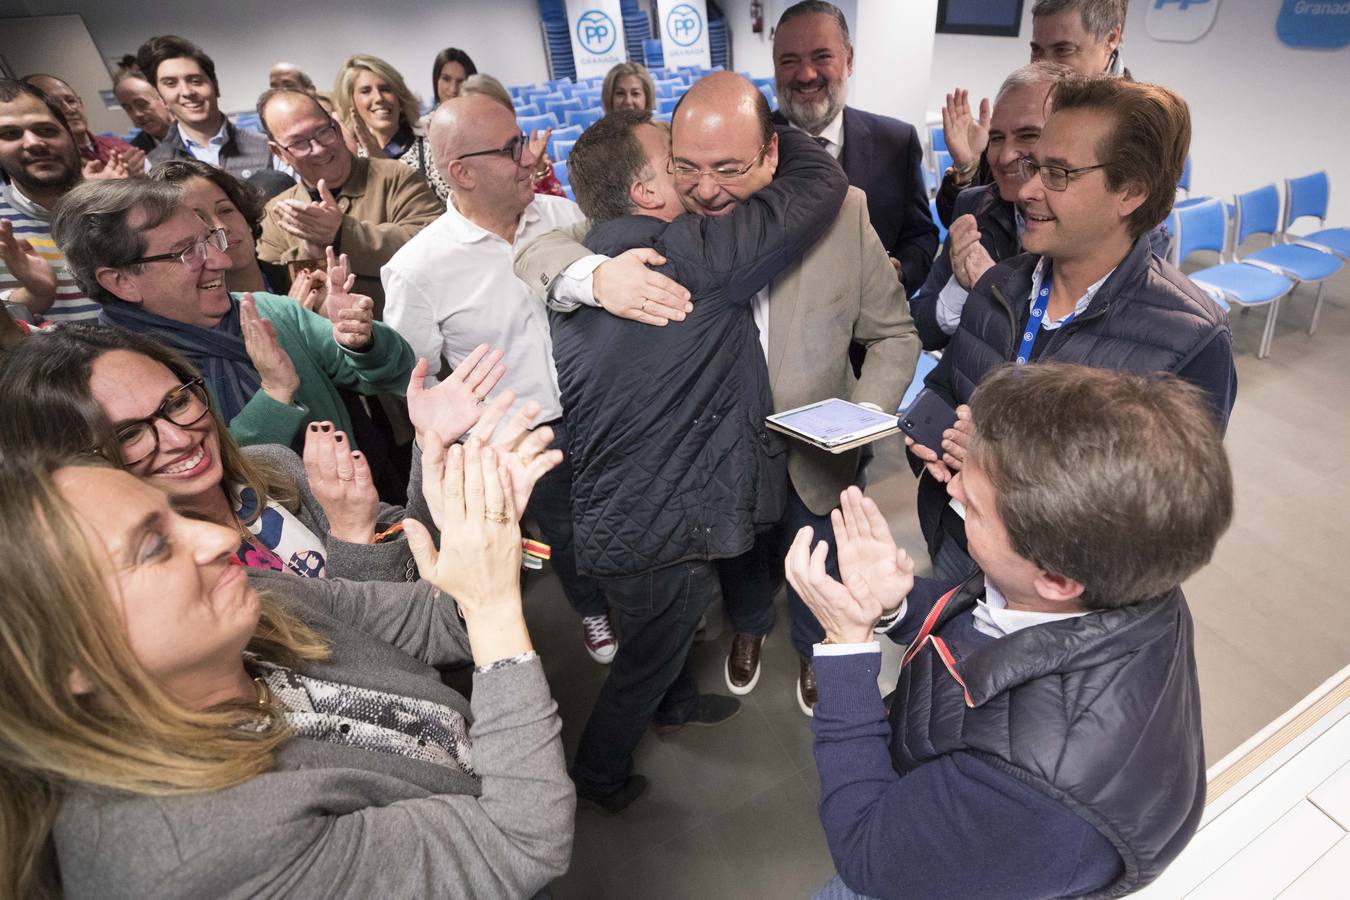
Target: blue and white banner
x=1324 y=26
x=597 y=36
x=684 y=33
x=1183 y=21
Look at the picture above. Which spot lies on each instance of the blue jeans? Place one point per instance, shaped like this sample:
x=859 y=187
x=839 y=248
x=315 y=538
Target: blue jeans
x=650 y=677
x=835 y=889
x=551 y=507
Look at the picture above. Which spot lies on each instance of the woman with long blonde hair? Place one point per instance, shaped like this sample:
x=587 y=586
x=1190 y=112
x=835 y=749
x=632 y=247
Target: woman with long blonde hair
x=174 y=725
x=374 y=102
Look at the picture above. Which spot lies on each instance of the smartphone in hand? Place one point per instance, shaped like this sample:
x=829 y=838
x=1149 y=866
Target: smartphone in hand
x=926 y=418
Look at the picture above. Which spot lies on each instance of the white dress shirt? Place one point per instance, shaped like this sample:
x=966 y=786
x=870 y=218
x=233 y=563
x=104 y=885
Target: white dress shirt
x=452 y=288
x=209 y=152
x=833 y=134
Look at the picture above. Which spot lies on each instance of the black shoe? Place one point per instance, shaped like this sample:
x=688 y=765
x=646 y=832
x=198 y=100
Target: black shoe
x=711 y=709
x=619 y=800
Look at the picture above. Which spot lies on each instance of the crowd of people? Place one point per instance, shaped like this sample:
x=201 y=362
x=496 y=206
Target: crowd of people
x=286 y=412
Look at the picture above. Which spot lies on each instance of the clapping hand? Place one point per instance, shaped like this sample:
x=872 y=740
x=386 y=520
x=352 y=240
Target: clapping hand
x=478 y=562
x=966 y=137
x=340 y=480
x=848 y=612
x=310 y=287
x=538 y=146
x=97 y=170
x=524 y=450
x=352 y=315
x=34 y=273
x=866 y=549
x=275 y=369
x=443 y=414
x=316 y=222
x=968 y=257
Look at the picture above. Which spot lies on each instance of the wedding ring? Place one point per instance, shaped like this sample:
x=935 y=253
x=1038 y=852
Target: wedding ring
x=496 y=515
x=477 y=396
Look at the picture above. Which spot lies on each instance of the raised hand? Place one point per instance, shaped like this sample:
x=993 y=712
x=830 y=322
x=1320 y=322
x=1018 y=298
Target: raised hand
x=134 y=159
x=34 y=273
x=478 y=562
x=848 y=612
x=966 y=136
x=352 y=315
x=538 y=146
x=867 y=550
x=340 y=480
x=444 y=413
x=310 y=288
x=97 y=170
x=275 y=369
x=524 y=450
x=627 y=288
x=314 y=222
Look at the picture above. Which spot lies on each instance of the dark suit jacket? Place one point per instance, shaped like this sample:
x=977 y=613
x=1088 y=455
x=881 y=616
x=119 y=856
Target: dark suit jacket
x=883 y=158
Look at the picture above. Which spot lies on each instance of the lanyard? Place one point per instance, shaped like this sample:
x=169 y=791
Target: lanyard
x=1038 y=307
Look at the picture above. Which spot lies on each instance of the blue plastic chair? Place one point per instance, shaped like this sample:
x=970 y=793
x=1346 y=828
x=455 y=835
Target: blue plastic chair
x=768 y=91
x=560 y=108
x=528 y=109
x=1205 y=227
x=560 y=150
x=937 y=138
x=1258 y=213
x=1184 y=186
x=560 y=173
x=670 y=88
x=942 y=229
x=529 y=124
x=566 y=133
x=584 y=117
x=556 y=83
x=666 y=105
x=1309 y=196
x=588 y=96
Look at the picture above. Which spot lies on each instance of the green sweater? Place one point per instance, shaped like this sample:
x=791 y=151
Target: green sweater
x=323 y=366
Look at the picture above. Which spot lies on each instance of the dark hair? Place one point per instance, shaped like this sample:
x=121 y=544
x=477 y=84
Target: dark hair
x=449 y=55
x=12 y=89
x=605 y=162
x=170 y=46
x=245 y=197
x=271 y=94
x=1147 y=144
x=1118 y=481
x=48 y=408
x=818 y=7
x=1099 y=16
x=127 y=68
x=89 y=224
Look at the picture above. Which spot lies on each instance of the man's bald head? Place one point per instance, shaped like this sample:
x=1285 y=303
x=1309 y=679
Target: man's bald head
x=724 y=100
x=289 y=75
x=465 y=124
x=723 y=141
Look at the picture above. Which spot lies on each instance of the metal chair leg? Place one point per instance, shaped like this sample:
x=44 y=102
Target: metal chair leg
x=1317 y=308
x=1269 y=333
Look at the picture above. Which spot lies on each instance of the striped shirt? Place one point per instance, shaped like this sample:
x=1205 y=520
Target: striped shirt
x=32 y=223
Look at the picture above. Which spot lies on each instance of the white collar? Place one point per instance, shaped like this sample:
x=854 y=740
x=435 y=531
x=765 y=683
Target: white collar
x=834 y=132
x=1083 y=301
x=992 y=616
x=27 y=205
x=466 y=231
x=216 y=140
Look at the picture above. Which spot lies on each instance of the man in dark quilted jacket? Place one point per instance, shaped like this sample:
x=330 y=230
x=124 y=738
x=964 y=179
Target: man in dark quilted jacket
x=1044 y=736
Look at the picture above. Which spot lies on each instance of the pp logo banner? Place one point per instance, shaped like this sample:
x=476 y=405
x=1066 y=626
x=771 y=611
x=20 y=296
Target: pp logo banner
x=1324 y=26
x=597 y=36
x=1180 y=20
x=684 y=33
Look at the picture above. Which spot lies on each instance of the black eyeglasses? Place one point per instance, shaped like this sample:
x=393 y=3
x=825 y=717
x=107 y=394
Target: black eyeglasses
x=195 y=255
x=515 y=148
x=185 y=405
x=1055 y=178
x=324 y=137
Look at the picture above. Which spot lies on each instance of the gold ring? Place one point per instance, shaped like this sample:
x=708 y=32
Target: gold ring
x=496 y=515
x=477 y=396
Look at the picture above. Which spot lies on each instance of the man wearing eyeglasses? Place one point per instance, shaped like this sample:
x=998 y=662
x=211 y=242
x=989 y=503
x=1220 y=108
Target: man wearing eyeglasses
x=365 y=208
x=451 y=288
x=1089 y=288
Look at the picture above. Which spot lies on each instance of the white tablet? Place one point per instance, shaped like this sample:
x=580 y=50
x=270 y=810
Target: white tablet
x=833 y=422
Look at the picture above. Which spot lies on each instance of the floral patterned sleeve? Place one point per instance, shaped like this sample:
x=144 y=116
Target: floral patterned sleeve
x=505 y=663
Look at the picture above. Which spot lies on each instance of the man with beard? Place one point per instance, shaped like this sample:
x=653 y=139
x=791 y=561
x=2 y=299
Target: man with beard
x=813 y=59
x=38 y=156
x=100 y=150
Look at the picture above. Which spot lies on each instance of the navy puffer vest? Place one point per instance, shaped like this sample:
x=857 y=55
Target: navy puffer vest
x=1101 y=713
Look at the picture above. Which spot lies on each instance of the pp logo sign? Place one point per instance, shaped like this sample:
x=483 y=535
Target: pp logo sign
x=684 y=25
x=595 y=31
x=1180 y=20
x=1325 y=26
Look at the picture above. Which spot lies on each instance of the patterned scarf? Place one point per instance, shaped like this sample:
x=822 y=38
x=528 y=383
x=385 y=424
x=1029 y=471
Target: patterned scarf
x=217 y=352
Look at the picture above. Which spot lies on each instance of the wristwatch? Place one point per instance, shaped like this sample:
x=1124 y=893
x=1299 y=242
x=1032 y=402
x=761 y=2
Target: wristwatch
x=963 y=175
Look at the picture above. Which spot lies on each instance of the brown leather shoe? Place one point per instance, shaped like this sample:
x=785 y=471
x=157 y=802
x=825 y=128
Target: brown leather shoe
x=742 y=668
x=806 y=688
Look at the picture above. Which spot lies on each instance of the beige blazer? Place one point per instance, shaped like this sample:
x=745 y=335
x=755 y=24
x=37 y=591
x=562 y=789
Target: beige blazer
x=383 y=202
x=844 y=289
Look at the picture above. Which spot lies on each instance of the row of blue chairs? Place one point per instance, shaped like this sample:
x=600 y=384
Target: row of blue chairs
x=1265 y=276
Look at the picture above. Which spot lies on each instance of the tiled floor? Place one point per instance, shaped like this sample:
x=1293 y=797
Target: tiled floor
x=731 y=810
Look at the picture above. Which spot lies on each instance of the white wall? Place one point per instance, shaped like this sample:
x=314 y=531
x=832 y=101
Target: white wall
x=245 y=37
x=1260 y=111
